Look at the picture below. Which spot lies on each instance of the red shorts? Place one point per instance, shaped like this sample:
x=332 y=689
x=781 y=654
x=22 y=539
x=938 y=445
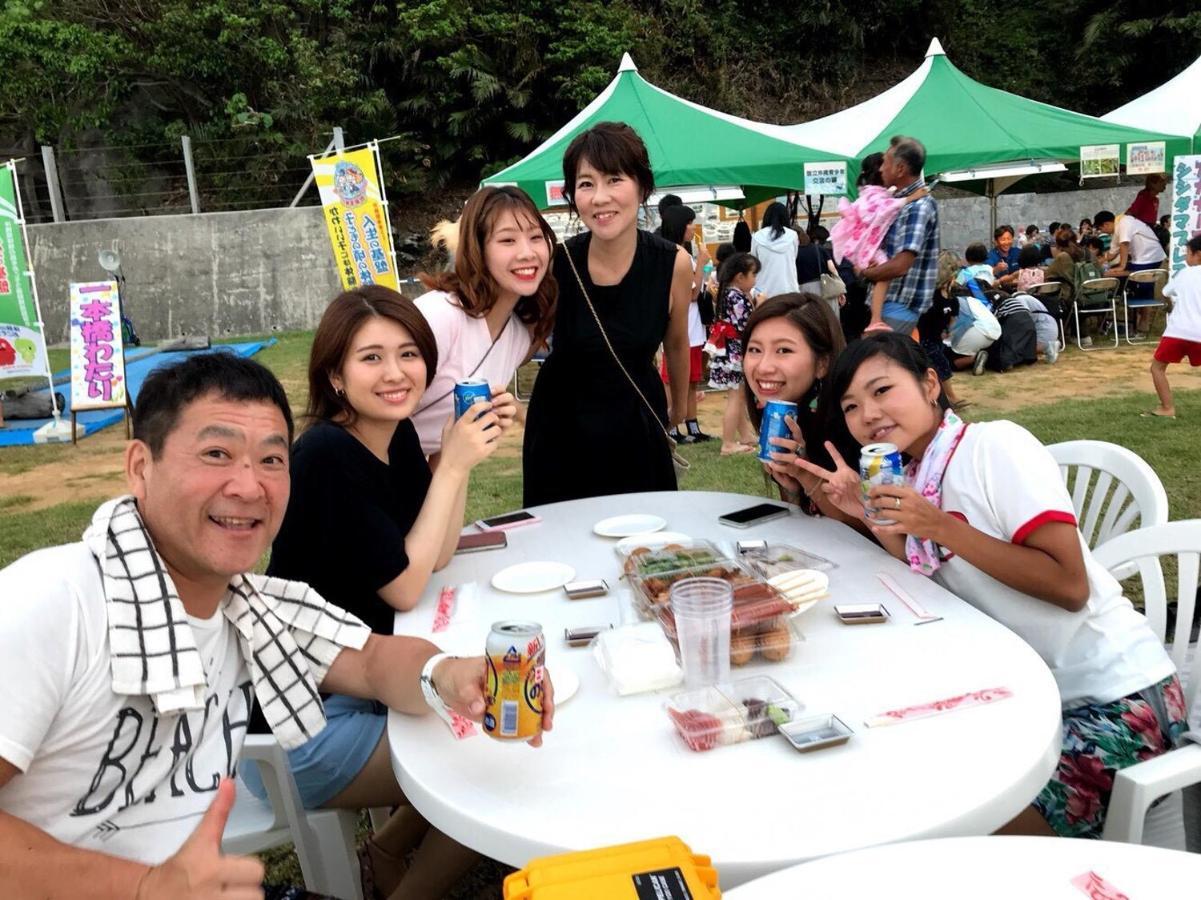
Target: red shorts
x=694 y=366
x=1173 y=350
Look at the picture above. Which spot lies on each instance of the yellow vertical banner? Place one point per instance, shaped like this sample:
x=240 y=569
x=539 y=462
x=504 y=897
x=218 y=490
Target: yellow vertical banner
x=356 y=216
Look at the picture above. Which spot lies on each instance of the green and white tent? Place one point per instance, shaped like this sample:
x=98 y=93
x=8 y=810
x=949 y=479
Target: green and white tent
x=1174 y=106
x=726 y=159
x=969 y=128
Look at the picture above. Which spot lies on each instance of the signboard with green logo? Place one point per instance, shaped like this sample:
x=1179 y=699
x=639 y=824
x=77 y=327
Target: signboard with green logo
x=22 y=350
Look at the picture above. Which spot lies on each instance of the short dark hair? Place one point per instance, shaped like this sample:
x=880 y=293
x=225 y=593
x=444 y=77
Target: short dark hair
x=1030 y=256
x=611 y=147
x=1000 y=230
x=975 y=253
x=1094 y=243
x=1054 y=225
x=222 y=373
x=724 y=252
x=819 y=234
x=339 y=324
x=1194 y=243
x=1032 y=230
x=676 y=220
x=1102 y=218
x=900 y=348
x=910 y=151
x=869 y=170
x=667 y=201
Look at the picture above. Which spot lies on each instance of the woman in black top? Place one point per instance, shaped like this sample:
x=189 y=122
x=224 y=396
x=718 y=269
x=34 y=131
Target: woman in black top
x=366 y=525
x=583 y=406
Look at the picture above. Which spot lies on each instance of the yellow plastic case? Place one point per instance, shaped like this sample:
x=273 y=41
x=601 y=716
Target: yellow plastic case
x=659 y=869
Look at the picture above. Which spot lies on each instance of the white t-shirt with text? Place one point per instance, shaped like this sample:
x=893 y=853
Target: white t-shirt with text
x=102 y=771
x=1005 y=483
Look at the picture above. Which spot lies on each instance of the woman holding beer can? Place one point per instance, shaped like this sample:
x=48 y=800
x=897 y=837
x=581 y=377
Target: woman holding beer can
x=622 y=293
x=984 y=511
x=366 y=525
x=495 y=310
x=789 y=344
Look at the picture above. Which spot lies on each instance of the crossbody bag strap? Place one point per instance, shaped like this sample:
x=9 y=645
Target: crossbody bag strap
x=470 y=374
x=675 y=457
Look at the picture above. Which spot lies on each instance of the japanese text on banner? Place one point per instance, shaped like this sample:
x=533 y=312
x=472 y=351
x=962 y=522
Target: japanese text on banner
x=349 y=184
x=97 y=354
x=1185 y=211
x=22 y=350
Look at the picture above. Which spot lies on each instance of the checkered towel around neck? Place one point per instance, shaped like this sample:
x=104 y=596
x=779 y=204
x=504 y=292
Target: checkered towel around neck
x=289 y=635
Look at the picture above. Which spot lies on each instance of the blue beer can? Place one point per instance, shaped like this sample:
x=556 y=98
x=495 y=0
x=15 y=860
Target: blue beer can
x=470 y=392
x=879 y=464
x=774 y=426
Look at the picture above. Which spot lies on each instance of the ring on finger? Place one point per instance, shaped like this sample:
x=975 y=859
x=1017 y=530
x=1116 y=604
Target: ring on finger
x=896 y=502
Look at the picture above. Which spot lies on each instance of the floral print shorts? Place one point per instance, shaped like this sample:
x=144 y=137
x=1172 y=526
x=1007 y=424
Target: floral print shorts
x=1097 y=741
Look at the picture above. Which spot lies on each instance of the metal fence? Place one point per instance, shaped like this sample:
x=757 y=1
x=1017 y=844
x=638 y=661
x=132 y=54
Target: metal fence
x=164 y=178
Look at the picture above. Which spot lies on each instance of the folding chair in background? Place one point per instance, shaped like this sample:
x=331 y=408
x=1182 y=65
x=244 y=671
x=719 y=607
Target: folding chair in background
x=1094 y=296
x=1156 y=277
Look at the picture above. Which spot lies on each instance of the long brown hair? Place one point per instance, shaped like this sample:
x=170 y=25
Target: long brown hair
x=821 y=331
x=471 y=281
x=343 y=317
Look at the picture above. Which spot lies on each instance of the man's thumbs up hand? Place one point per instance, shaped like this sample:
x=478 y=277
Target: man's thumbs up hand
x=199 y=870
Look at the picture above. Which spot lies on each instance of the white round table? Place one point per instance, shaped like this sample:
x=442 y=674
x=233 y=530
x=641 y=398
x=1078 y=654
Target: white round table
x=987 y=868
x=615 y=770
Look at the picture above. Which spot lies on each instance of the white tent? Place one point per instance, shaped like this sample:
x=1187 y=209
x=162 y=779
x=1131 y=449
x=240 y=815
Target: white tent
x=1174 y=107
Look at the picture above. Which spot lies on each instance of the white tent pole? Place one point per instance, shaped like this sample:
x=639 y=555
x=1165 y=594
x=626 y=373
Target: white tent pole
x=33 y=286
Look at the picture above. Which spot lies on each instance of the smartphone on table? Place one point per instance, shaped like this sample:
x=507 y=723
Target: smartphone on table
x=744 y=518
x=485 y=540
x=507 y=521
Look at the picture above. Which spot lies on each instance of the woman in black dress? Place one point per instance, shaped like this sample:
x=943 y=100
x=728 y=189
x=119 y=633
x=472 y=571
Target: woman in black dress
x=589 y=432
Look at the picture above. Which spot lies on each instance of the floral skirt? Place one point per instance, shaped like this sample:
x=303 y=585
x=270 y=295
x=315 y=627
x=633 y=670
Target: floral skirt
x=725 y=372
x=1100 y=739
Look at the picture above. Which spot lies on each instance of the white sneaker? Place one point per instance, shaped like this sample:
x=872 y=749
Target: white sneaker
x=1052 y=353
x=1086 y=341
x=981 y=360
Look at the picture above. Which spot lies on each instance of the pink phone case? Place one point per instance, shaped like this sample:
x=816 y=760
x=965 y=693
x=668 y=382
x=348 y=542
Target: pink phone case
x=483 y=526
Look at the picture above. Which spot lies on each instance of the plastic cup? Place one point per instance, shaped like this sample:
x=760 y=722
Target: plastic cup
x=701 y=607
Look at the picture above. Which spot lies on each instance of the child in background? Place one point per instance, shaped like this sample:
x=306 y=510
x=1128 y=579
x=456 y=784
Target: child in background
x=976 y=255
x=859 y=233
x=1097 y=252
x=1030 y=272
x=736 y=281
x=1182 y=336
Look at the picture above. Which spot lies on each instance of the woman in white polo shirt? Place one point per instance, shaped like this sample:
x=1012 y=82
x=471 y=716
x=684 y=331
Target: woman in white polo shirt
x=985 y=513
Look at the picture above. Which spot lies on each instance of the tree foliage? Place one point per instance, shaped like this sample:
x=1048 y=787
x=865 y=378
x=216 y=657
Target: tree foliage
x=467 y=87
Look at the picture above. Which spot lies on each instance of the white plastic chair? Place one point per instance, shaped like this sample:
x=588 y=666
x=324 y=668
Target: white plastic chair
x=324 y=839
x=1121 y=476
x=1157 y=277
x=1131 y=817
x=1097 y=296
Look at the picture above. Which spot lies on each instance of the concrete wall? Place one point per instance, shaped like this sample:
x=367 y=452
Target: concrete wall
x=272 y=269
x=965 y=219
x=214 y=273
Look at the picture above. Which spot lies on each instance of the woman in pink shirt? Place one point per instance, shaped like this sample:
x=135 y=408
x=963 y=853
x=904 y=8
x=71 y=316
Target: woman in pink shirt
x=495 y=310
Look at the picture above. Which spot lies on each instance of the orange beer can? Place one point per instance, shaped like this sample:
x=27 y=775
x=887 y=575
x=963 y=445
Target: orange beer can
x=516 y=658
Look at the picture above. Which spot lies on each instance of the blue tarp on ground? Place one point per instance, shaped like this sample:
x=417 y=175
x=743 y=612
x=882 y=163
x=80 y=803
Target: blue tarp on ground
x=138 y=364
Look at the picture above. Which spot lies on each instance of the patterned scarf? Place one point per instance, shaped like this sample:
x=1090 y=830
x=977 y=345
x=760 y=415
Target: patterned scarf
x=288 y=634
x=925 y=476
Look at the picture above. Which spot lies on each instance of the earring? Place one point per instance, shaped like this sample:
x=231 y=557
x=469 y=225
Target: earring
x=341 y=392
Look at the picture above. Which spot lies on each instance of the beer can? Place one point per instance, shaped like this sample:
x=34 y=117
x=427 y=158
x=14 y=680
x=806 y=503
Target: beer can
x=774 y=426
x=879 y=464
x=516 y=660
x=470 y=392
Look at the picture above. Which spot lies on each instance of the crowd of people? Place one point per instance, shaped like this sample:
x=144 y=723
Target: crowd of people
x=137 y=659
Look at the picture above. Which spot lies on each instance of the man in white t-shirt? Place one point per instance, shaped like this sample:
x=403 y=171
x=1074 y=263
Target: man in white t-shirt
x=1136 y=248
x=129 y=661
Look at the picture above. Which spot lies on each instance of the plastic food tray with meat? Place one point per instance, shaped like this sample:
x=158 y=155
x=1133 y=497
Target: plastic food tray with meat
x=770 y=639
x=744 y=710
x=652 y=592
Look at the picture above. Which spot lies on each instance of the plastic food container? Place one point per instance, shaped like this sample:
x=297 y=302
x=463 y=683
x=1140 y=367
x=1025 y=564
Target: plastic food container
x=753 y=639
x=653 y=591
x=745 y=710
x=780 y=558
x=654 y=558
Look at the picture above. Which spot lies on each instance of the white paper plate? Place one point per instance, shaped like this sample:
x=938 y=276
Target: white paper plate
x=804 y=595
x=533 y=577
x=565 y=680
x=625 y=526
x=654 y=541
